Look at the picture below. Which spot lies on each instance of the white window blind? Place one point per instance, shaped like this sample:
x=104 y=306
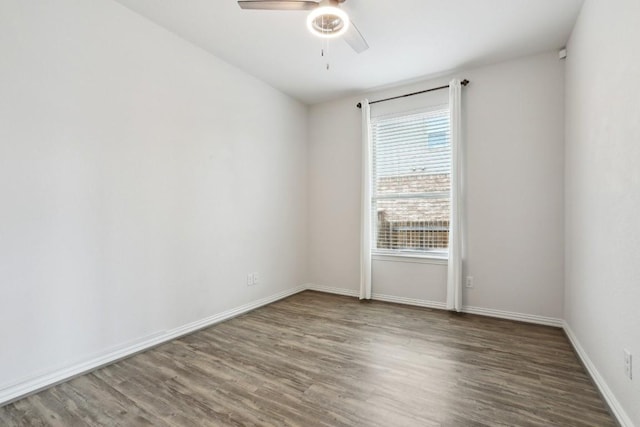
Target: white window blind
x=411 y=182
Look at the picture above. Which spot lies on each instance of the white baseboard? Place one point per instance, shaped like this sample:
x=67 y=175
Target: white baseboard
x=510 y=315
x=331 y=290
x=606 y=392
x=410 y=301
x=521 y=317
x=23 y=388
x=377 y=297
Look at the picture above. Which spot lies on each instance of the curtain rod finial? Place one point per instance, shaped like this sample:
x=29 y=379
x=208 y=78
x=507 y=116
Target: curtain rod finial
x=464 y=82
x=359 y=105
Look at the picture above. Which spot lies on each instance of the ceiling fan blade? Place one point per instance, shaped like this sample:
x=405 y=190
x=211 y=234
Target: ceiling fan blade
x=354 y=38
x=278 y=5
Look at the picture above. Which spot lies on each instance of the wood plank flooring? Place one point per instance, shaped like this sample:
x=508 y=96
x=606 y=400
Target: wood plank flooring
x=323 y=360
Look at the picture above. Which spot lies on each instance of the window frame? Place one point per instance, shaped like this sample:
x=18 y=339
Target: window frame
x=419 y=255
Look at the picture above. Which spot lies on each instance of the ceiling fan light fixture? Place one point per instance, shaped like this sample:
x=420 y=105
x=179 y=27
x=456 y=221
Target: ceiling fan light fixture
x=328 y=22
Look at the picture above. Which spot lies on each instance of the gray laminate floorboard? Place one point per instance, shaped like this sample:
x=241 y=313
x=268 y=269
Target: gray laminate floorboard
x=323 y=360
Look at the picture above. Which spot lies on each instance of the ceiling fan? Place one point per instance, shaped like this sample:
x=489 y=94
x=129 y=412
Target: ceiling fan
x=326 y=19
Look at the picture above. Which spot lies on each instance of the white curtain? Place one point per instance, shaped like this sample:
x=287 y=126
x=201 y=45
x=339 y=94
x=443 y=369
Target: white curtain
x=454 y=276
x=365 y=213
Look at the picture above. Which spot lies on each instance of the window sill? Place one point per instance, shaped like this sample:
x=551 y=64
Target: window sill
x=411 y=257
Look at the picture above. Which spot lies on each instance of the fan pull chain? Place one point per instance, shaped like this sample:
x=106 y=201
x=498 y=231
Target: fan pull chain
x=326 y=48
x=325 y=45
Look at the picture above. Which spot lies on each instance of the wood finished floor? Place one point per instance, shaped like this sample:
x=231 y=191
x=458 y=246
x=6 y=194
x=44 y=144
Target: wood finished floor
x=323 y=360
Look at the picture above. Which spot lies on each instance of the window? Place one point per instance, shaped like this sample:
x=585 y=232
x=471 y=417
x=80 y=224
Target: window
x=411 y=183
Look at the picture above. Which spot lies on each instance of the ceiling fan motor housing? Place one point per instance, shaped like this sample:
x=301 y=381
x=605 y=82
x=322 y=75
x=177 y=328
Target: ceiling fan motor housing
x=328 y=20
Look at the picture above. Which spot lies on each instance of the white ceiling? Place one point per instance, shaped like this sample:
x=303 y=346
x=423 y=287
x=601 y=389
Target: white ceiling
x=408 y=39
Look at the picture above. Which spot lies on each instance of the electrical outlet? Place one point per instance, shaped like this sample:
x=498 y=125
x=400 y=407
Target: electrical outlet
x=628 y=366
x=250 y=279
x=469 y=282
x=255 y=278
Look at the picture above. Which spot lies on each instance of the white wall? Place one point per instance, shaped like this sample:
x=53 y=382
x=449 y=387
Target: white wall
x=140 y=180
x=514 y=127
x=603 y=192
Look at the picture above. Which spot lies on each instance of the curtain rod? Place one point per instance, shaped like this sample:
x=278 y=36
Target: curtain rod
x=463 y=83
